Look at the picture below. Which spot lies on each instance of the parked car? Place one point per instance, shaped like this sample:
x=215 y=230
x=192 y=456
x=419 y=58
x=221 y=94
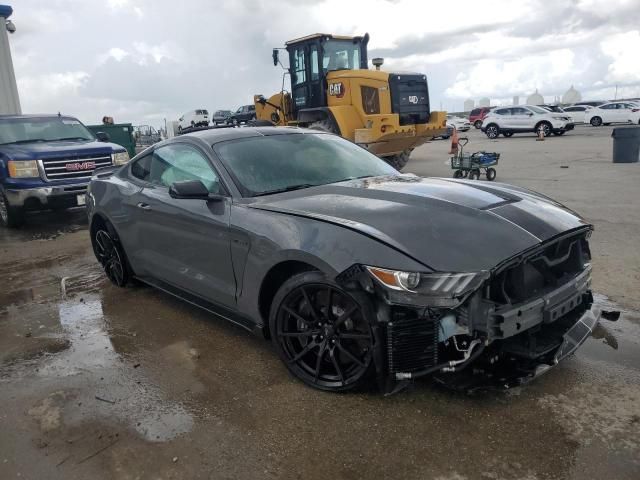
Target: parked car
x=192 y=119
x=348 y=266
x=477 y=116
x=460 y=124
x=446 y=135
x=525 y=118
x=244 y=114
x=552 y=108
x=46 y=162
x=221 y=117
x=593 y=103
x=577 y=112
x=612 y=112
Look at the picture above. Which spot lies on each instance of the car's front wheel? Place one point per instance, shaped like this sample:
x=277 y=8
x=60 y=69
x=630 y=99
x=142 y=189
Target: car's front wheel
x=492 y=131
x=596 y=121
x=322 y=332
x=11 y=217
x=545 y=127
x=111 y=256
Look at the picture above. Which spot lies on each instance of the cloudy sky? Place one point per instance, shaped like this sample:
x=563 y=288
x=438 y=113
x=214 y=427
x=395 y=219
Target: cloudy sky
x=141 y=61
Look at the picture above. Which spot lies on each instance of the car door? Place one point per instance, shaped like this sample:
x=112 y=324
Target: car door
x=186 y=242
x=608 y=112
x=521 y=119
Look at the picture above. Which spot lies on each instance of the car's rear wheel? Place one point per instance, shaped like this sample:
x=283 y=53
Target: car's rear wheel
x=507 y=134
x=596 y=121
x=322 y=333
x=477 y=123
x=11 y=217
x=111 y=256
x=492 y=131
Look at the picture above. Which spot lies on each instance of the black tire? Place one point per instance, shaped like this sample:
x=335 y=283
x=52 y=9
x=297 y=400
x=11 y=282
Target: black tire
x=398 y=161
x=492 y=131
x=546 y=128
x=323 y=333
x=507 y=134
x=474 y=174
x=325 y=126
x=234 y=122
x=559 y=132
x=192 y=124
x=179 y=129
x=458 y=174
x=491 y=174
x=10 y=217
x=111 y=255
x=596 y=122
x=477 y=124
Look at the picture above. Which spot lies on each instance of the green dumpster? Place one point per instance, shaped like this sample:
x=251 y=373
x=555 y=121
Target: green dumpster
x=120 y=133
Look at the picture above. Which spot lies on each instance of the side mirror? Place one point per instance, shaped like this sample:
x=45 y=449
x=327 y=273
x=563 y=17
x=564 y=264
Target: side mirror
x=103 y=137
x=275 y=56
x=193 y=189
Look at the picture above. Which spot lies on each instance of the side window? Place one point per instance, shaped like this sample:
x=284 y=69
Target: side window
x=299 y=66
x=141 y=168
x=475 y=111
x=313 y=58
x=609 y=107
x=179 y=162
x=519 y=111
x=503 y=111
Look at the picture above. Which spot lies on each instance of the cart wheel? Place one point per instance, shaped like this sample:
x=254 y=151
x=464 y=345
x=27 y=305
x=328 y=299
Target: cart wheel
x=491 y=174
x=458 y=174
x=474 y=174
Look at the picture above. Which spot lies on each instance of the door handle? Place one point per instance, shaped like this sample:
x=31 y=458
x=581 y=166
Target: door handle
x=144 y=206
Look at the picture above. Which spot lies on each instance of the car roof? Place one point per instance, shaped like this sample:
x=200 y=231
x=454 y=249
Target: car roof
x=217 y=135
x=35 y=115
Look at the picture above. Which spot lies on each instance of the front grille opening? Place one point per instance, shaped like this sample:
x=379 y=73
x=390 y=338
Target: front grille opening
x=412 y=341
x=556 y=264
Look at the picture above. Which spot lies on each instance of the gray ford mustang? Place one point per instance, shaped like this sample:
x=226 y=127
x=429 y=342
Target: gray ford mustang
x=356 y=272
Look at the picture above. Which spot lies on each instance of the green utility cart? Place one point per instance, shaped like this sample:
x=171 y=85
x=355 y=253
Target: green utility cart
x=120 y=133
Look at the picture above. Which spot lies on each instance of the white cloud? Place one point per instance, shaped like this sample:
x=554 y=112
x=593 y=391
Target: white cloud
x=623 y=49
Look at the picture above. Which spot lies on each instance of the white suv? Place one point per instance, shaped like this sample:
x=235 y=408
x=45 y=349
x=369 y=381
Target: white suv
x=525 y=118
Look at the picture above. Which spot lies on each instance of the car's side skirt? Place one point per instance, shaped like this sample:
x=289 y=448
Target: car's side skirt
x=218 y=310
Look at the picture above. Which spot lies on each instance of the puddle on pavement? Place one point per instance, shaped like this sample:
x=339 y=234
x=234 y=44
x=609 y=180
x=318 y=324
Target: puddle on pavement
x=118 y=389
x=47 y=225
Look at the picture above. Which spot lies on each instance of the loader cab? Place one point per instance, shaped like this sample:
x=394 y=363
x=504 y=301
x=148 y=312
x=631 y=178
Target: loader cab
x=312 y=58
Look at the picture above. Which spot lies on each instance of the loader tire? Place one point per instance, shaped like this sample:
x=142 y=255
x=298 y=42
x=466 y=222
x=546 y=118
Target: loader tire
x=325 y=126
x=398 y=161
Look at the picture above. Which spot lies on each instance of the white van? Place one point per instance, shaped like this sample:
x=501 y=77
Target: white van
x=193 y=118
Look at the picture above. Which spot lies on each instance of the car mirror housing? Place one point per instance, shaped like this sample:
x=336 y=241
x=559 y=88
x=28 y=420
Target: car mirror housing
x=192 y=189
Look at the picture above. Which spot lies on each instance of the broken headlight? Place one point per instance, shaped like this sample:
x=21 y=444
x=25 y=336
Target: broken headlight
x=443 y=289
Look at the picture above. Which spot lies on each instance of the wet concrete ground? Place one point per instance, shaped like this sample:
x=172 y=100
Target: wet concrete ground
x=101 y=382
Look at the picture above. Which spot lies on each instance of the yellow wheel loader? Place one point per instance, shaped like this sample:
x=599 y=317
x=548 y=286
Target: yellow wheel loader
x=333 y=90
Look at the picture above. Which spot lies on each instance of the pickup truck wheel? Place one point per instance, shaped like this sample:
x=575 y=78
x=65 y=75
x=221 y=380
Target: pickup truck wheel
x=111 y=256
x=11 y=217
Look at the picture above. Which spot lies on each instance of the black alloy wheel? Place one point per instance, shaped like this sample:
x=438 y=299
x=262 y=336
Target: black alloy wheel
x=546 y=128
x=322 y=333
x=111 y=257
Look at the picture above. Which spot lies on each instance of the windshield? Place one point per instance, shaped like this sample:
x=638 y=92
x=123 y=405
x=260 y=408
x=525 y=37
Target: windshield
x=537 y=109
x=275 y=163
x=42 y=129
x=340 y=55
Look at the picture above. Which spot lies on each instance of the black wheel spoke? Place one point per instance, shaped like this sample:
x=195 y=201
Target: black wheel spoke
x=323 y=348
x=336 y=365
x=308 y=333
x=345 y=315
x=296 y=315
x=349 y=355
x=311 y=307
x=303 y=352
x=329 y=295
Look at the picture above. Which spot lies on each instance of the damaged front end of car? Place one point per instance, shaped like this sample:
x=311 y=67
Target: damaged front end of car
x=496 y=328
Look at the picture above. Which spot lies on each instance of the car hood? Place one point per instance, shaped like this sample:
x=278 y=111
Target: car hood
x=40 y=150
x=445 y=224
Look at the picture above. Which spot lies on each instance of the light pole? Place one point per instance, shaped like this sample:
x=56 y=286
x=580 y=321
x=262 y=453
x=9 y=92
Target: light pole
x=9 y=100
